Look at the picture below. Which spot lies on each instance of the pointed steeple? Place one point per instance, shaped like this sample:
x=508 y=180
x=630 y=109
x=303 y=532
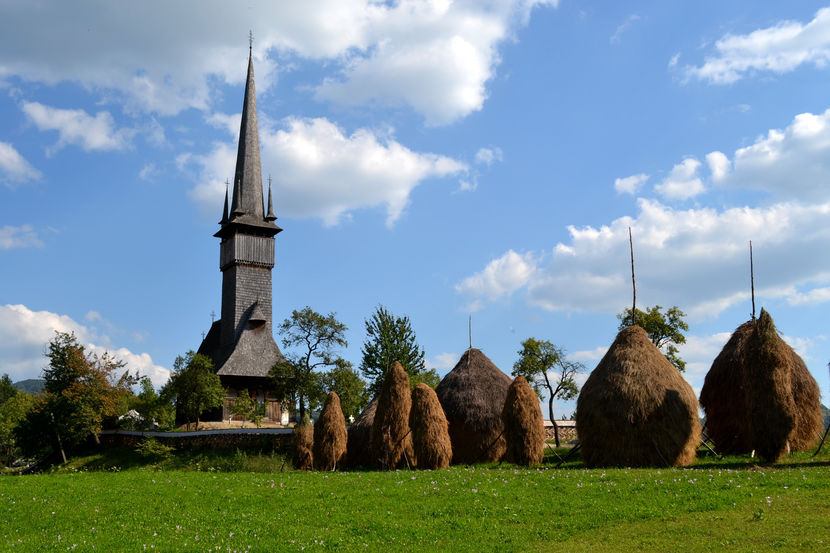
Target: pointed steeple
x=247 y=201
x=270 y=217
x=225 y=210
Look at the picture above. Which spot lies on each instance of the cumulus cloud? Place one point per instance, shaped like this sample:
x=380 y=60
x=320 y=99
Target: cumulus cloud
x=24 y=334
x=777 y=49
x=443 y=361
x=630 y=185
x=13 y=167
x=19 y=237
x=501 y=277
x=719 y=165
x=76 y=126
x=164 y=57
x=695 y=258
x=682 y=182
x=488 y=156
x=327 y=173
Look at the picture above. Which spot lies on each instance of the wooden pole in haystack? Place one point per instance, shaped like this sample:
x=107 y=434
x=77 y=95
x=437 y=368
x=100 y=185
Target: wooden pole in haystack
x=633 y=281
x=752 y=279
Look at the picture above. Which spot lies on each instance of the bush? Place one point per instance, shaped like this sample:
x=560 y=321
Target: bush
x=151 y=448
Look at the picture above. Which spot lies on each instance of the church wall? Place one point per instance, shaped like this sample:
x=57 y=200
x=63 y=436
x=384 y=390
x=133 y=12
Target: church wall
x=243 y=285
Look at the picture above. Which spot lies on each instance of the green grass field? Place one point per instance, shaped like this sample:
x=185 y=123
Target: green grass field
x=126 y=504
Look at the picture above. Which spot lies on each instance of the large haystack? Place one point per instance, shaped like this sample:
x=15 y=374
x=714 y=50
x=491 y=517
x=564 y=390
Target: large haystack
x=360 y=436
x=391 y=443
x=303 y=441
x=472 y=395
x=767 y=373
x=430 y=430
x=636 y=409
x=330 y=434
x=524 y=428
x=723 y=398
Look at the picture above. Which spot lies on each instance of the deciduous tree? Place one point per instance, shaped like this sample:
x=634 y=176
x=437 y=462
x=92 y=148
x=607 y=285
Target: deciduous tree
x=194 y=387
x=665 y=330
x=351 y=389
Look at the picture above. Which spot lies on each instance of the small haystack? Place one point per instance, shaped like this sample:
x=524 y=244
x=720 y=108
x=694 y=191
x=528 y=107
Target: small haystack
x=767 y=374
x=303 y=441
x=430 y=430
x=723 y=397
x=391 y=443
x=330 y=434
x=360 y=437
x=636 y=409
x=472 y=395
x=524 y=428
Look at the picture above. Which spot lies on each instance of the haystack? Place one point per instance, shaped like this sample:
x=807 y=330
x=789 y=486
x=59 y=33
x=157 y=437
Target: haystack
x=330 y=434
x=723 y=397
x=303 y=441
x=472 y=395
x=636 y=409
x=430 y=430
x=360 y=436
x=524 y=429
x=767 y=373
x=391 y=442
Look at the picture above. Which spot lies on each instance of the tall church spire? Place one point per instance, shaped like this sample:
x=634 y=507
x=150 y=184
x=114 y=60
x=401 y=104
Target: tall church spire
x=247 y=200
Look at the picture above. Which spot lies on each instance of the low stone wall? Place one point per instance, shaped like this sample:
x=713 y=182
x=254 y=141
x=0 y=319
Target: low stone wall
x=567 y=431
x=256 y=439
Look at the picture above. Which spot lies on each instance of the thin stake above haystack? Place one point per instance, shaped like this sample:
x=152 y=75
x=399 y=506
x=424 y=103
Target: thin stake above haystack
x=472 y=395
x=360 y=437
x=636 y=409
x=391 y=442
x=430 y=431
x=303 y=441
x=330 y=434
x=524 y=428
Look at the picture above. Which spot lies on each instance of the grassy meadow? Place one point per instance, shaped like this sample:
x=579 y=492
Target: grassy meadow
x=231 y=501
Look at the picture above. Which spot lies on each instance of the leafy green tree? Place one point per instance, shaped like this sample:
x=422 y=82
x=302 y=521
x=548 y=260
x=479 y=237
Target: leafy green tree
x=7 y=389
x=389 y=339
x=664 y=329
x=345 y=380
x=153 y=407
x=80 y=391
x=12 y=411
x=194 y=386
x=315 y=338
x=242 y=405
x=546 y=368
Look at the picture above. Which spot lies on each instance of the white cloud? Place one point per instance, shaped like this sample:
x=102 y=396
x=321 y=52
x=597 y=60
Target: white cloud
x=165 y=57
x=13 y=167
x=719 y=165
x=327 y=174
x=816 y=295
x=501 y=277
x=777 y=49
x=148 y=172
x=488 y=156
x=443 y=361
x=588 y=355
x=630 y=185
x=24 y=334
x=75 y=126
x=19 y=237
x=622 y=28
x=682 y=182
x=696 y=259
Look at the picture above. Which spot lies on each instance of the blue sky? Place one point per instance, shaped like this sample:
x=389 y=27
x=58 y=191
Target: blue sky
x=440 y=158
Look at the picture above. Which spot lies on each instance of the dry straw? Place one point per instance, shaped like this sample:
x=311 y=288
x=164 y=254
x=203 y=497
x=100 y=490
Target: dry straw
x=472 y=395
x=303 y=438
x=391 y=443
x=430 y=431
x=330 y=435
x=360 y=437
x=524 y=429
x=723 y=396
x=636 y=409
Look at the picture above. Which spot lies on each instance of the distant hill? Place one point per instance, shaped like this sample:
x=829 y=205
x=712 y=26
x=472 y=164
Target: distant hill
x=30 y=385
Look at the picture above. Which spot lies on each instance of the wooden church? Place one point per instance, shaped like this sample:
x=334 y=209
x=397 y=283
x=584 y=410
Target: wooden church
x=241 y=343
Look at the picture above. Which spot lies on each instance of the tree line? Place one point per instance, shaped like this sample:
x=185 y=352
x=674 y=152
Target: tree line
x=86 y=392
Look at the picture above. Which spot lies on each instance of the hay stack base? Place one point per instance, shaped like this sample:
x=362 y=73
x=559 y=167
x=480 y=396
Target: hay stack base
x=636 y=409
x=430 y=431
x=303 y=442
x=330 y=435
x=391 y=443
x=472 y=395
